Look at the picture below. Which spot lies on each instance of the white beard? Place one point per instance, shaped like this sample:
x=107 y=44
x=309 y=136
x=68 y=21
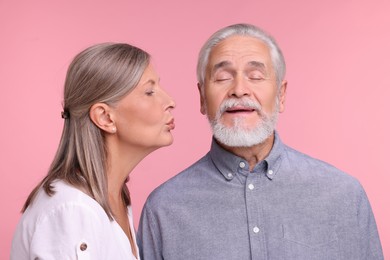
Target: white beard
x=237 y=135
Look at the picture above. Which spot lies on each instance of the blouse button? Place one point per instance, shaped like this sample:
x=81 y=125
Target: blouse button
x=83 y=246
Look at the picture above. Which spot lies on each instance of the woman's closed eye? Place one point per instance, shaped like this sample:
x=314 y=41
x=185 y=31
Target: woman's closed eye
x=149 y=92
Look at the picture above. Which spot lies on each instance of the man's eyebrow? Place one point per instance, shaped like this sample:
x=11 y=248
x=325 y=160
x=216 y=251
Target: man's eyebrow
x=257 y=64
x=221 y=64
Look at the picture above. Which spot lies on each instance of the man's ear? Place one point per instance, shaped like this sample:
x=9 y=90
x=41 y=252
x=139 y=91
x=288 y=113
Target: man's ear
x=282 y=96
x=100 y=114
x=201 y=98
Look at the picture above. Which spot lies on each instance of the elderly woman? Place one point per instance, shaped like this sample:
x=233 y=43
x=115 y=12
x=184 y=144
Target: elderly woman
x=115 y=113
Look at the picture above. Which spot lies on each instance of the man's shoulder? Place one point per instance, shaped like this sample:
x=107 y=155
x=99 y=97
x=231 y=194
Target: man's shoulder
x=180 y=183
x=312 y=167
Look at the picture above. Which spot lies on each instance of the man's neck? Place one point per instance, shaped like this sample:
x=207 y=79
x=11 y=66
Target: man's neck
x=253 y=154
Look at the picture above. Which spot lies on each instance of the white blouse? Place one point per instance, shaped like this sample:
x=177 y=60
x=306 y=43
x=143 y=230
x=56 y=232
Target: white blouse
x=69 y=225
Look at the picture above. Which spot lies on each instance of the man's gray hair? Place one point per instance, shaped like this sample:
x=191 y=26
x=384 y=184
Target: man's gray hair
x=241 y=30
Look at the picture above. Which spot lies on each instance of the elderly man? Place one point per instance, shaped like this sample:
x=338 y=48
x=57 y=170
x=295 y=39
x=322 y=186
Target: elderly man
x=251 y=196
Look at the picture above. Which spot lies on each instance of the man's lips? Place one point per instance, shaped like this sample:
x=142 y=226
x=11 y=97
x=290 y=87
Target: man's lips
x=240 y=109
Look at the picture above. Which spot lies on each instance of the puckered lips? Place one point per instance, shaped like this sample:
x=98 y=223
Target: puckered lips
x=171 y=124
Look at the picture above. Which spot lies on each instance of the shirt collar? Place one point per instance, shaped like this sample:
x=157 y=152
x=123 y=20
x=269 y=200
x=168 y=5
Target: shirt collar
x=229 y=164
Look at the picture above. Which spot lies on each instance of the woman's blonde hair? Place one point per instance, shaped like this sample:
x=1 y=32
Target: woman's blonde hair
x=102 y=73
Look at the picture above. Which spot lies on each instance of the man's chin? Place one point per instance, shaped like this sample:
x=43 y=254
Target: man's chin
x=240 y=125
x=236 y=138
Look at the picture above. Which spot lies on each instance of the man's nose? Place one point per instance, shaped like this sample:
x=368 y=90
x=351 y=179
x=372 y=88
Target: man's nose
x=239 y=88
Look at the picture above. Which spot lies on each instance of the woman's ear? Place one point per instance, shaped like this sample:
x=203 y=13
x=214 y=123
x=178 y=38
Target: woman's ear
x=100 y=114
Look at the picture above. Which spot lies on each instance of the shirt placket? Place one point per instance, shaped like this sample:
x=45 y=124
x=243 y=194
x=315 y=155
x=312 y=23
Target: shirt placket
x=254 y=213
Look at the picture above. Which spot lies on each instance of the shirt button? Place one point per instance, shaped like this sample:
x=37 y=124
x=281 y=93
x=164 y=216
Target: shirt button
x=230 y=176
x=270 y=172
x=251 y=186
x=242 y=165
x=256 y=229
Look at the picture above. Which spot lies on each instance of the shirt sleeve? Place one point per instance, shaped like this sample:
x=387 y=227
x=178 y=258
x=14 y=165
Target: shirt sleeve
x=148 y=236
x=70 y=231
x=370 y=244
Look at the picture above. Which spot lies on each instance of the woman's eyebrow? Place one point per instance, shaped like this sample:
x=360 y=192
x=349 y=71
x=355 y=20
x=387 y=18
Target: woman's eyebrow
x=151 y=81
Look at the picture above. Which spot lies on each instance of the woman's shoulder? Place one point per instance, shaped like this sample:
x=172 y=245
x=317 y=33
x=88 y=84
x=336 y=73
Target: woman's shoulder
x=60 y=224
x=66 y=198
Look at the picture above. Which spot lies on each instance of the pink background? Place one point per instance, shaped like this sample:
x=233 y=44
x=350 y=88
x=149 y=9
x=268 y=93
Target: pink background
x=337 y=55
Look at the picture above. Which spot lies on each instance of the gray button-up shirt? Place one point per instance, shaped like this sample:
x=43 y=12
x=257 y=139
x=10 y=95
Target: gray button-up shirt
x=290 y=206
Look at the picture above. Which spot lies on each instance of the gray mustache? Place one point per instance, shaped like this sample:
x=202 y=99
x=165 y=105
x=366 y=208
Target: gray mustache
x=229 y=103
